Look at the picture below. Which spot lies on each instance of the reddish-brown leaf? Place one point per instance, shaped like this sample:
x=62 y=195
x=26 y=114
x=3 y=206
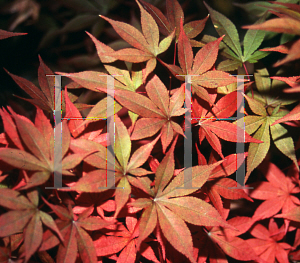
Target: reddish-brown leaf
x=206 y=57
x=161 y=20
x=229 y=131
x=14 y=222
x=6 y=34
x=33 y=236
x=102 y=48
x=185 y=52
x=38 y=96
x=33 y=139
x=130 y=34
x=147 y=127
x=158 y=94
x=292 y=55
x=75 y=117
x=176 y=231
x=277 y=192
x=11 y=129
x=22 y=160
x=280 y=25
x=138 y=104
x=293 y=115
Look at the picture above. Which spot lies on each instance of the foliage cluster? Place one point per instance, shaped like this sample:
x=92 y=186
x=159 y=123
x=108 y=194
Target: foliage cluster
x=152 y=211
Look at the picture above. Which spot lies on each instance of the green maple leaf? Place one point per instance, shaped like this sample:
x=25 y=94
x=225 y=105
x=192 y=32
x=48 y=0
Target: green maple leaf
x=232 y=48
x=268 y=110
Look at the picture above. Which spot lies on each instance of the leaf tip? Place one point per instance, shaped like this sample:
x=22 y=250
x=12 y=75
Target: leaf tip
x=206 y=5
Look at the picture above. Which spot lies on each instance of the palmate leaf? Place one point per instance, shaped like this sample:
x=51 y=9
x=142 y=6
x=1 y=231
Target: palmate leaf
x=288 y=22
x=214 y=238
x=169 y=206
x=38 y=139
x=74 y=231
x=126 y=169
x=167 y=24
x=146 y=45
x=124 y=239
x=277 y=193
x=266 y=242
x=199 y=66
x=262 y=125
x=252 y=41
x=156 y=111
x=218 y=186
x=213 y=129
x=26 y=217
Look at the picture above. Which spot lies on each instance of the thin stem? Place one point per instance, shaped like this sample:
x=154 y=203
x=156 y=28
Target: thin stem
x=244 y=65
x=248 y=78
x=170 y=76
x=174 y=54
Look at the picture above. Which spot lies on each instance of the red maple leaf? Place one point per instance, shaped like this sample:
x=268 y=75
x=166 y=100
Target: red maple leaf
x=278 y=193
x=73 y=229
x=213 y=125
x=266 y=244
x=25 y=216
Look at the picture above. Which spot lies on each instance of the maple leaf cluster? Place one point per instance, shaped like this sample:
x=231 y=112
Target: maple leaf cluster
x=126 y=195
